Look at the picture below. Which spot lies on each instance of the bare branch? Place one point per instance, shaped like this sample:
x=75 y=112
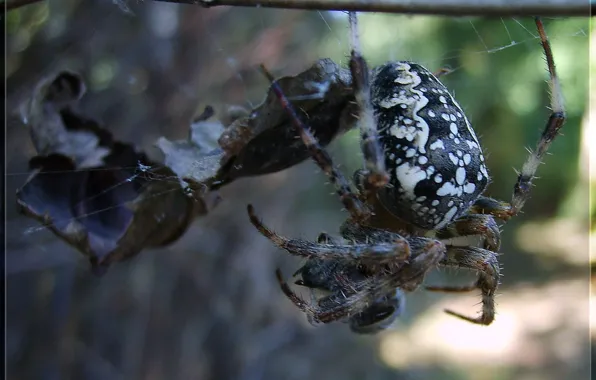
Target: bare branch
x=433 y=7
x=493 y=8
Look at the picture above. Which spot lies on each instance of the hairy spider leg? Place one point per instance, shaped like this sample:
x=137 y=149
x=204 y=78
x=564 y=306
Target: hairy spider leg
x=521 y=190
x=556 y=120
x=374 y=160
x=321 y=310
x=389 y=253
x=335 y=307
x=367 y=234
x=474 y=224
x=350 y=200
x=295 y=298
x=489 y=206
x=483 y=261
x=426 y=257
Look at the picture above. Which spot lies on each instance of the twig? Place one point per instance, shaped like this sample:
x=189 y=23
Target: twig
x=496 y=8
x=433 y=7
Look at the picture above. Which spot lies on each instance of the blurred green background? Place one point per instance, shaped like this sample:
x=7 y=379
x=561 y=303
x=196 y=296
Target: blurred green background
x=208 y=306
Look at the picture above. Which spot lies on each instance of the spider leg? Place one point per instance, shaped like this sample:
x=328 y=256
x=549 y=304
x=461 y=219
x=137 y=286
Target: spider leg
x=295 y=298
x=390 y=253
x=375 y=175
x=317 y=274
x=483 y=261
x=329 y=309
x=556 y=120
x=489 y=206
x=350 y=200
x=367 y=234
x=339 y=306
x=474 y=224
x=426 y=255
x=367 y=292
x=360 y=294
x=521 y=190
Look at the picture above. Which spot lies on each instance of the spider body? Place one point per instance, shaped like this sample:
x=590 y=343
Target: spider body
x=424 y=165
x=432 y=154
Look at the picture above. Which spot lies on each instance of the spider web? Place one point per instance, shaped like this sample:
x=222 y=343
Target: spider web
x=278 y=39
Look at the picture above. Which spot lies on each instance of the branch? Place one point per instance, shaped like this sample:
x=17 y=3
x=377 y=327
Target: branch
x=432 y=7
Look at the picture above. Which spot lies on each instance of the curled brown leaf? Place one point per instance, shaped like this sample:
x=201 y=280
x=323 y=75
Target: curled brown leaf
x=110 y=201
x=265 y=140
x=101 y=196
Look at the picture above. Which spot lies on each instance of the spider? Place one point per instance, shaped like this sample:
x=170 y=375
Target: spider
x=425 y=170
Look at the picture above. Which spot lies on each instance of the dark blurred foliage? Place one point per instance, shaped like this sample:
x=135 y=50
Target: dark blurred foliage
x=208 y=306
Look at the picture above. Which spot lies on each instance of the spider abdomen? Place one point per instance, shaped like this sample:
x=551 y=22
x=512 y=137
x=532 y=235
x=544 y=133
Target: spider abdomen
x=432 y=154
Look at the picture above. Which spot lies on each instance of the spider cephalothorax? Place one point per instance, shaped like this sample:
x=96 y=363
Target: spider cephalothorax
x=424 y=165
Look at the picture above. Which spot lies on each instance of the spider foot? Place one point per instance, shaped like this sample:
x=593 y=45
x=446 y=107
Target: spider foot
x=483 y=319
x=483 y=261
x=488 y=313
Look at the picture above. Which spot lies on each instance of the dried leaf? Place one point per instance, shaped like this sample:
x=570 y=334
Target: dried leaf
x=110 y=201
x=265 y=140
x=195 y=160
x=99 y=195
